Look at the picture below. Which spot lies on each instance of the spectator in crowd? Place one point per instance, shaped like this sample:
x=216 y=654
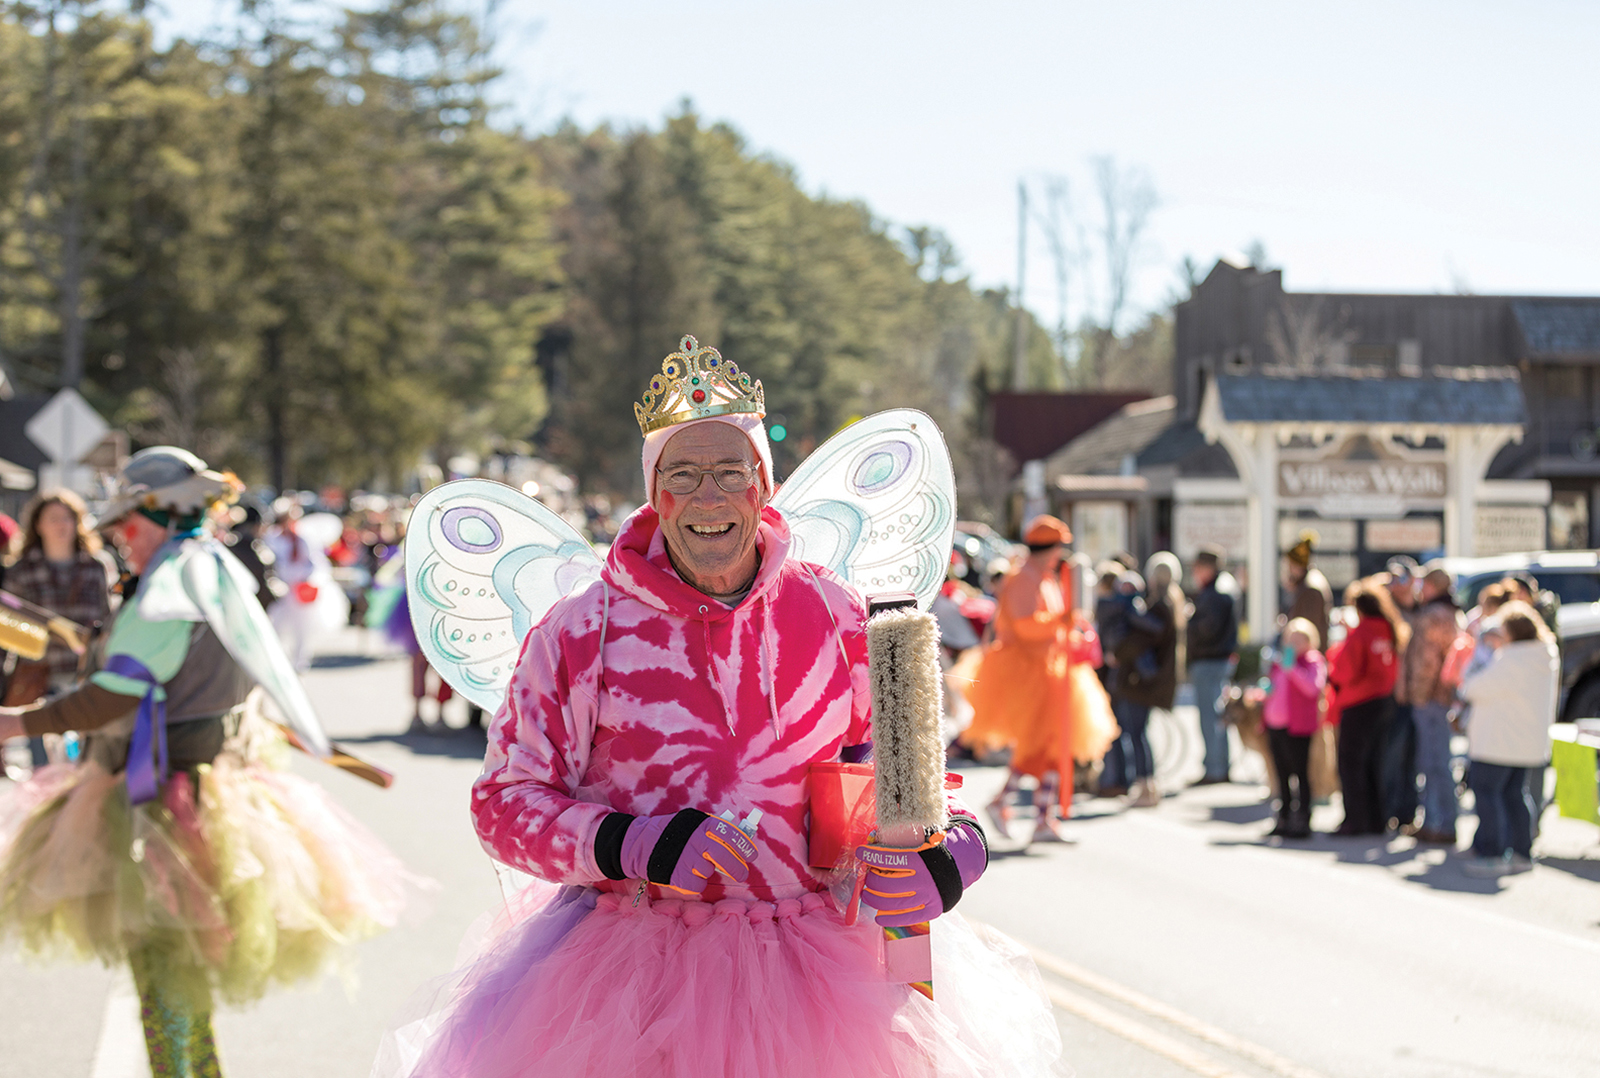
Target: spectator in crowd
x=1306 y=592
x=1363 y=675
x=1213 y=643
x=1524 y=587
x=1292 y=714
x=8 y=534
x=245 y=542
x=1146 y=677
x=1400 y=749
x=1434 y=631
x=61 y=567
x=1513 y=702
x=1483 y=623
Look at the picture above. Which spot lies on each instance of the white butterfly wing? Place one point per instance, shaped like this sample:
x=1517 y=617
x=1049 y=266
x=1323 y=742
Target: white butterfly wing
x=484 y=562
x=876 y=503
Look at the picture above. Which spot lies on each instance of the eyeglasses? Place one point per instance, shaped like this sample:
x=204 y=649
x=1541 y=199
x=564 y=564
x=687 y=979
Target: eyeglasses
x=731 y=478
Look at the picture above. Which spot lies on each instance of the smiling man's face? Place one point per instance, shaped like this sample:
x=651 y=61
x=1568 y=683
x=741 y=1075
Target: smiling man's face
x=710 y=534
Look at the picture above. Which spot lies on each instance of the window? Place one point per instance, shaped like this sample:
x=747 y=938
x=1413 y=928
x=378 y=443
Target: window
x=1386 y=356
x=1569 y=520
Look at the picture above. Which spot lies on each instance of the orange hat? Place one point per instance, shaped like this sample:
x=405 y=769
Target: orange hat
x=1045 y=530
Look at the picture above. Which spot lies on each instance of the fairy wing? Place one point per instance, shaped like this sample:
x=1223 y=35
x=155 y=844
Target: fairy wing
x=876 y=503
x=483 y=563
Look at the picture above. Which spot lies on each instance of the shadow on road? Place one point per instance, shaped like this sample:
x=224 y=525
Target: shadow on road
x=1447 y=875
x=462 y=743
x=339 y=662
x=1586 y=868
x=1242 y=814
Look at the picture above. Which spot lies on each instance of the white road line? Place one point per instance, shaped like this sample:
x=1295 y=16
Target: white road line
x=1221 y=1038
x=1138 y=1033
x=120 y=1052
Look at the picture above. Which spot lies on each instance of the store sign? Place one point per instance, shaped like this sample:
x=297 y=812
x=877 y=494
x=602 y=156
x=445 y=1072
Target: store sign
x=1195 y=525
x=1332 y=535
x=1405 y=536
x=1508 y=529
x=1357 y=480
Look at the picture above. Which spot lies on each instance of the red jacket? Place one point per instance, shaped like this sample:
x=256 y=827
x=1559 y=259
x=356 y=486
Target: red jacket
x=1365 y=668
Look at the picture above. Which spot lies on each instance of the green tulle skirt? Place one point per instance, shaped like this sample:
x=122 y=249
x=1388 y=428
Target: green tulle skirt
x=238 y=877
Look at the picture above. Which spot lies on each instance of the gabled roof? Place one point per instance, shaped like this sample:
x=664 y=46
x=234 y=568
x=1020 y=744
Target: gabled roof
x=1103 y=450
x=1440 y=401
x=1559 y=327
x=1034 y=425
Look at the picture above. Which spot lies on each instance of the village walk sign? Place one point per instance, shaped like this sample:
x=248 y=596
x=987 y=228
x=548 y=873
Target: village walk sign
x=1363 y=488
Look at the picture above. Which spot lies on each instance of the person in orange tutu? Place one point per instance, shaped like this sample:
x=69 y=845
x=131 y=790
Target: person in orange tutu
x=1035 y=690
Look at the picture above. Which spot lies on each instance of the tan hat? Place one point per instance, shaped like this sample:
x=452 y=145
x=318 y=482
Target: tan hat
x=1045 y=530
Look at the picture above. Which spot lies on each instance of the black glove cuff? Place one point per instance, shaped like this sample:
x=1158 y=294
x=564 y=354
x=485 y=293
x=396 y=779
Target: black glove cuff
x=608 y=844
x=946 y=874
x=669 y=847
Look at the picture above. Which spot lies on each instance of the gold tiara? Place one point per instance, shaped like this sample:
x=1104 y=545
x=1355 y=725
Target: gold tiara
x=695 y=383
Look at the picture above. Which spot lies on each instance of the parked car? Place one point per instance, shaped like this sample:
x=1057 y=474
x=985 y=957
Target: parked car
x=1573 y=575
x=982 y=546
x=1574 y=578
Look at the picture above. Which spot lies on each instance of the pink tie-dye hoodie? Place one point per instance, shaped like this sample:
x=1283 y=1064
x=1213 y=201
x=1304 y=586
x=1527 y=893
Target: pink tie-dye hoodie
x=692 y=705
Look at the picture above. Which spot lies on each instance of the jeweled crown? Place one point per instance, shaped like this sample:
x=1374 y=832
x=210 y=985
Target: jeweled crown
x=696 y=383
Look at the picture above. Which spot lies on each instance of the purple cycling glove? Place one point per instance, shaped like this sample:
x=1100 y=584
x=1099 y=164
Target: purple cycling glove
x=908 y=887
x=679 y=851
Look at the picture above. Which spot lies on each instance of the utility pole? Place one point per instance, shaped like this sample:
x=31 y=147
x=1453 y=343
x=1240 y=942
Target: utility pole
x=1019 y=354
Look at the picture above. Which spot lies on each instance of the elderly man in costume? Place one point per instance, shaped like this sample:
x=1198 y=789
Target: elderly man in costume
x=153 y=851
x=1035 y=691
x=651 y=756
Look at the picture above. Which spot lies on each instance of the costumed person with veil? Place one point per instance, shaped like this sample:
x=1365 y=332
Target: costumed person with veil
x=1034 y=691
x=177 y=847
x=651 y=758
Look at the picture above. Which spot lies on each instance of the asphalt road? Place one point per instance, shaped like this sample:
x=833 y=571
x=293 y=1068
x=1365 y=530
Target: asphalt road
x=1174 y=941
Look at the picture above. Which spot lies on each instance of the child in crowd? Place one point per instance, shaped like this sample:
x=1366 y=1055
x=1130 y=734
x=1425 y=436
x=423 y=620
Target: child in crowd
x=1292 y=714
x=1513 y=700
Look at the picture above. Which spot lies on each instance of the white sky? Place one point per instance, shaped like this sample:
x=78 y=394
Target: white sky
x=1370 y=146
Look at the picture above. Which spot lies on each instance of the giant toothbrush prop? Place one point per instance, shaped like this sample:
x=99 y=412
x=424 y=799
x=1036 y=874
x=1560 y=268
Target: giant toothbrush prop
x=908 y=753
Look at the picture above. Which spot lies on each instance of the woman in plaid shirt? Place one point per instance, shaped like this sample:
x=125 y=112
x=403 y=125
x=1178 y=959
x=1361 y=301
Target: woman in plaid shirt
x=60 y=567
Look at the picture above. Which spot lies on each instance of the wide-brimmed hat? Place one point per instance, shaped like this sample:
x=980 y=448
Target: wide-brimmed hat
x=167 y=479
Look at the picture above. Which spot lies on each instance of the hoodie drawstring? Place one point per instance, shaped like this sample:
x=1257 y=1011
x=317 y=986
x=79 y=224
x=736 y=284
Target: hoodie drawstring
x=769 y=666
x=716 y=670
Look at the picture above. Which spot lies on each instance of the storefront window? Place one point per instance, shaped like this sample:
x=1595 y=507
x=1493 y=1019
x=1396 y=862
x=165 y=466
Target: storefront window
x=1569 y=520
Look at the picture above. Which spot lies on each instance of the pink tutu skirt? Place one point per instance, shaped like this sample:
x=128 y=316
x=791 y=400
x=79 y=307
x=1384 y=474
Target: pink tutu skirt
x=573 y=982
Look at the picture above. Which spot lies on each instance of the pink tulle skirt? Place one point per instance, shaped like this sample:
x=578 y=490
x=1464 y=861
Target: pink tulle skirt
x=573 y=982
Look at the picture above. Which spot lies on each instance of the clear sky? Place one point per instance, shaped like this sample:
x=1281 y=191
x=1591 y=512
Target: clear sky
x=1422 y=146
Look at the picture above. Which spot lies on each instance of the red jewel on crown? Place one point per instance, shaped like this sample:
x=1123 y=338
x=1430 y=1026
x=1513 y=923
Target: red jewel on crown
x=698 y=396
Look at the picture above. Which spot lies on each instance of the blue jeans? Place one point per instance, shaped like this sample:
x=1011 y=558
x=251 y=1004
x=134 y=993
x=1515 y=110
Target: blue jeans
x=1505 y=810
x=1132 y=743
x=1439 y=807
x=1399 y=766
x=1207 y=676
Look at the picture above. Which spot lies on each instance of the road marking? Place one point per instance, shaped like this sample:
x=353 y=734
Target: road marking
x=1205 y=1031
x=120 y=1052
x=1138 y=1033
